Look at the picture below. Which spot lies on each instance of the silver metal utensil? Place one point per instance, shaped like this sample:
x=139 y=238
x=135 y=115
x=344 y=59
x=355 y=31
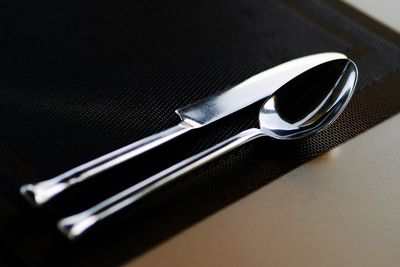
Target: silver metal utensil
x=193 y=116
x=303 y=106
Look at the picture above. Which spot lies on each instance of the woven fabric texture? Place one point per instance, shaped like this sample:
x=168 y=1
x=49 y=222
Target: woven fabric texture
x=81 y=78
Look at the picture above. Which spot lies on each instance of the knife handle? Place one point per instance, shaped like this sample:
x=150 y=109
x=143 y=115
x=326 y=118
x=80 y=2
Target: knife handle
x=75 y=225
x=41 y=192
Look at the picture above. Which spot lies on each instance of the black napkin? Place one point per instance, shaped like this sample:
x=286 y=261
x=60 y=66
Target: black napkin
x=81 y=78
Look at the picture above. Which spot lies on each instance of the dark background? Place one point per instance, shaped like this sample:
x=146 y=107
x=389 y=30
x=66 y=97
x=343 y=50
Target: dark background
x=81 y=78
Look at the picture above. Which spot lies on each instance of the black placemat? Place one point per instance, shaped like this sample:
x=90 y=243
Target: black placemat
x=79 y=79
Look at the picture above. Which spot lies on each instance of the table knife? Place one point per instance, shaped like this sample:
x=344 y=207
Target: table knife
x=195 y=115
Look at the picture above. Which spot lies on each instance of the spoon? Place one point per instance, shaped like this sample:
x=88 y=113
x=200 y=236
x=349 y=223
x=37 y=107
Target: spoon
x=305 y=105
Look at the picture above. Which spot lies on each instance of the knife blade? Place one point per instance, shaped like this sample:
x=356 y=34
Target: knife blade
x=195 y=115
x=257 y=87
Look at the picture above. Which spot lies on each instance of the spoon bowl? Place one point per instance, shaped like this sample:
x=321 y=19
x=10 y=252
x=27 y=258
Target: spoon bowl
x=310 y=102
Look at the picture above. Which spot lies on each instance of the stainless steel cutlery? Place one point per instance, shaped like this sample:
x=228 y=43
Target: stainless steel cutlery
x=302 y=97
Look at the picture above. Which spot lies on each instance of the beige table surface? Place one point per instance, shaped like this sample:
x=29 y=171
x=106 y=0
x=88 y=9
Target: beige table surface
x=341 y=209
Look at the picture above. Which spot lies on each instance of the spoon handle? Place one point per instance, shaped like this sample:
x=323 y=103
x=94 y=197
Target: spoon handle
x=73 y=226
x=39 y=193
